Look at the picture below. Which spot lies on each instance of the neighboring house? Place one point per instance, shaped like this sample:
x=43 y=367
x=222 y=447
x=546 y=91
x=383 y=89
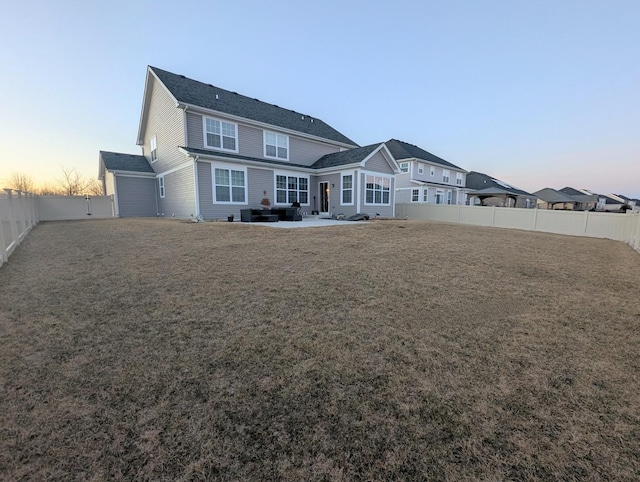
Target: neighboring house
x=611 y=202
x=211 y=152
x=485 y=190
x=584 y=200
x=634 y=204
x=425 y=178
x=549 y=198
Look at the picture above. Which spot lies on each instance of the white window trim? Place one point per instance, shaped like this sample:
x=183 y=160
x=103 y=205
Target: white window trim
x=415 y=191
x=441 y=193
x=365 y=189
x=264 y=145
x=290 y=174
x=459 y=179
x=153 y=147
x=404 y=167
x=446 y=174
x=352 y=188
x=432 y=171
x=229 y=167
x=420 y=168
x=449 y=197
x=221 y=148
x=161 y=189
x=425 y=195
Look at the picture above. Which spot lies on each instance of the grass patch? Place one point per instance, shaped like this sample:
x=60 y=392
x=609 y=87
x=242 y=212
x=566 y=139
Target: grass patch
x=161 y=350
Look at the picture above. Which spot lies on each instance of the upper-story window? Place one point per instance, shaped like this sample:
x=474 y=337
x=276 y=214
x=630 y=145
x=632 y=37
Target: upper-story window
x=276 y=145
x=459 y=178
x=404 y=167
x=433 y=171
x=153 y=147
x=420 y=169
x=220 y=134
x=446 y=175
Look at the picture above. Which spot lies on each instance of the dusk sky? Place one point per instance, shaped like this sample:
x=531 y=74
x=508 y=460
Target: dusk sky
x=536 y=93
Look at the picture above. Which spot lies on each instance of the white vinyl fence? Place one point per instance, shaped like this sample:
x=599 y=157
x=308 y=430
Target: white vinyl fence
x=620 y=227
x=18 y=214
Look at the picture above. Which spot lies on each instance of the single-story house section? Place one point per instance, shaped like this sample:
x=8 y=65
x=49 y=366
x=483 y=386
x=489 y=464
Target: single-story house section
x=485 y=190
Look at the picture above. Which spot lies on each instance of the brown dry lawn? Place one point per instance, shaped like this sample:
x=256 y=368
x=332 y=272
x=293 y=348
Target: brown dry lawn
x=164 y=350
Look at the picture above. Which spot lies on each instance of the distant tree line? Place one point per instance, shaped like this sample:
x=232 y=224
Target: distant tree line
x=69 y=183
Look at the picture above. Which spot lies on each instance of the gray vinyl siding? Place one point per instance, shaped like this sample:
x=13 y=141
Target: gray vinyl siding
x=195 y=132
x=179 y=200
x=305 y=152
x=372 y=210
x=378 y=163
x=251 y=141
x=136 y=196
x=166 y=122
x=258 y=181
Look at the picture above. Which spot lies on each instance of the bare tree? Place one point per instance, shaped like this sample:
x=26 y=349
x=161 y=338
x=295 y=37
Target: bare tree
x=49 y=189
x=20 y=181
x=73 y=183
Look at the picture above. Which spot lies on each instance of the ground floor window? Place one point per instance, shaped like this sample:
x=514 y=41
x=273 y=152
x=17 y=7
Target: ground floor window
x=415 y=195
x=449 y=197
x=347 y=189
x=425 y=195
x=161 y=186
x=439 y=197
x=229 y=186
x=377 y=190
x=291 y=189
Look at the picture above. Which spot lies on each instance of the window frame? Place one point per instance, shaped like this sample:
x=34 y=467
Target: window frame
x=153 y=148
x=287 y=191
x=373 y=190
x=440 y=196
x=425 y=195
x=404 y=167
x=214 y=186
x=432 y=171
x=161 y=188
x=415 y=195
x=459 y=178
x=420 y=168
x=222 y=136
x=449 y=197
x=446 y=174
x=278 y=136
x=344 y=189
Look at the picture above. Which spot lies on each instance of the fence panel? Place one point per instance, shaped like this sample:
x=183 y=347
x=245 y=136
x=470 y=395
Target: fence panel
x=66 y=208
x=18 y=215
x=619 y=227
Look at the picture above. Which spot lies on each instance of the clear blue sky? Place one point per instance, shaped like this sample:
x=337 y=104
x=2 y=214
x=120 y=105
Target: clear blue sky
x=537 y=93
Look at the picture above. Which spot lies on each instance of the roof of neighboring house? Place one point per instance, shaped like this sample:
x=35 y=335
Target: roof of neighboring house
x=553 y=196
x=352 y=156
x=115 y=161
x=492 y=191
x=479 y=181
x=580 y=195
x=193 y=92
x=609 y=199
x=403 y=150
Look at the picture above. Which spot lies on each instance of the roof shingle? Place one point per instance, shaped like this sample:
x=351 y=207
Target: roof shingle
x=404 y=150
x=197 y=93
x=115 y=161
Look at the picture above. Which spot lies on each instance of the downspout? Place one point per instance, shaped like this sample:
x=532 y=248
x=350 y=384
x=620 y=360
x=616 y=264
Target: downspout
x=196 y=190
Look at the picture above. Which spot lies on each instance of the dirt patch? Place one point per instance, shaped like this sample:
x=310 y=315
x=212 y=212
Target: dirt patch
x=159 y=350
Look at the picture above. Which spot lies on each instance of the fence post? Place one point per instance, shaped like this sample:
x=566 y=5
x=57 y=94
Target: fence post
x=458 y=218
x=3 y=243
x=535 y=219
x=493 y=216
x=12 y=222
x=586 y=221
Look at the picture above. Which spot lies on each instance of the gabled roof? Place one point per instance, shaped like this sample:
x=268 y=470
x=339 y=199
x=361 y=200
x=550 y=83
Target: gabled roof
x=115 y=161
x=580 y=195
x=553 y=196
x=192 y=92
x=403 y=150
x=209 y=153
x=479 y=181
x=351 y=156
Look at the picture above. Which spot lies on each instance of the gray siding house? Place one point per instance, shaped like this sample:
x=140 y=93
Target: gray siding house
x=426 y=178
x=208 y=153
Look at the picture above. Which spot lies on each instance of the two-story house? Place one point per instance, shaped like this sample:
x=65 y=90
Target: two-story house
x=426 y=178
x=208 y=153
